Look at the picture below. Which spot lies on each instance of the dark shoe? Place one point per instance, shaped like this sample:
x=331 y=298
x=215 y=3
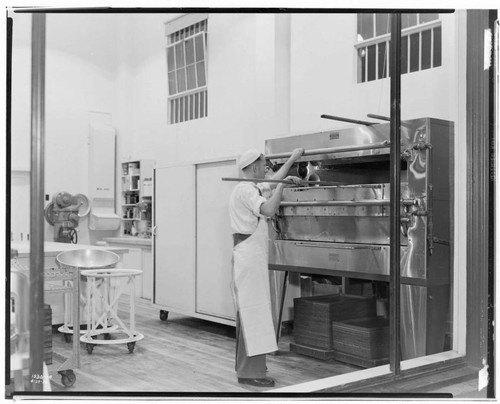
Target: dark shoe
x=264 y=382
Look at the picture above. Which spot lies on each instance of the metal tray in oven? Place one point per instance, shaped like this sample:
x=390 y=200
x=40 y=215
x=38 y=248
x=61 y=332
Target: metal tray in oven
x=341 y=214
x=337 y=229
x=347 y=193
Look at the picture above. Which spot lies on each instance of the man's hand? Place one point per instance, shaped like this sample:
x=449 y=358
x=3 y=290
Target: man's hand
x=285 y=168
x=296 y=154
x=296 y=181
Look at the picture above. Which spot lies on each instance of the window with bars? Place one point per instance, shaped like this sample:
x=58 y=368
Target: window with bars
x=187 y=73
x=420 y=44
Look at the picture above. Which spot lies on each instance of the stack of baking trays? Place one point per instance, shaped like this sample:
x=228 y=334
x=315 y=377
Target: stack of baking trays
x=341 y=327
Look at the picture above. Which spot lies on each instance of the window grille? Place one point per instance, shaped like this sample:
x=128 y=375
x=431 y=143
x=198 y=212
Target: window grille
x=187 y=73
x=420 y=44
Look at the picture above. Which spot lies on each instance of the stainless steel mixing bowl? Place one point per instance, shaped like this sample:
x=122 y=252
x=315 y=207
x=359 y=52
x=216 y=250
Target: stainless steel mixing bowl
x=87 y=259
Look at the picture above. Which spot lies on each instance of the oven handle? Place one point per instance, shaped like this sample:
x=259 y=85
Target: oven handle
x=361 y=202
x=329 y=150
x=338 y=247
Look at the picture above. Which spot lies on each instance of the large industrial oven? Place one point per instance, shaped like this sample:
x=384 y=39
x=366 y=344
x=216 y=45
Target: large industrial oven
x=342 y=228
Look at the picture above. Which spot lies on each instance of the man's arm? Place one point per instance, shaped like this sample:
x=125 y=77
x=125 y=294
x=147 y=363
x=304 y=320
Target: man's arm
x=283 y=171
x=271 y=206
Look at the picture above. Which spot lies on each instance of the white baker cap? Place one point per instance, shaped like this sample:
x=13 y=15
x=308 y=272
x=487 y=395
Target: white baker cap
x=248 y=158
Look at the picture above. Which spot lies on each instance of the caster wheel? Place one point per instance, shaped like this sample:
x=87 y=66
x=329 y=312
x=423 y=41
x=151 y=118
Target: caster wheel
x=67 y=338
x=163 y=315
x=130 y=346
x=107 y=336
x=90 y=348
x=68 y=378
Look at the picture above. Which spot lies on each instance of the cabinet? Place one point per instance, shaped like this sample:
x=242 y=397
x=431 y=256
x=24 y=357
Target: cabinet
x=192 y=244
x=136 y=197
x=139 y=256
x=133 y=260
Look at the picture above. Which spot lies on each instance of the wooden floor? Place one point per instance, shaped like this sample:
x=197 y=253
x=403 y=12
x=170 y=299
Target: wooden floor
x=191 y=357
x=180 y=355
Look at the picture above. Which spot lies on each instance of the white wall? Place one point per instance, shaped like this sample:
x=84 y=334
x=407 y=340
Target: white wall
x=240 y=83
x=20 y=134
x=323 y=76
x=21 y=91
x=79 y=71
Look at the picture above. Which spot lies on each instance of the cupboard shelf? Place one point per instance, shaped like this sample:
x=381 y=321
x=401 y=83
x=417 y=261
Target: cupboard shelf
x=136 y=187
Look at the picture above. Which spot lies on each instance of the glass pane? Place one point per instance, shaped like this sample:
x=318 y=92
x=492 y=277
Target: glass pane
x=362 y=65
x=414 y=52
x=437 y=47
x=179 y=56
x=404 y=54
x=189 y=46
x=200 y=54
x=196 y=105
x=181 y=109
x=176 y=111
x=426 y=17
x=383 y=23
x=365 y=26
x=191 y=77
x=371 y=62
x=200 y=70
x=172 y=88
x=382 y=60
x=202 y=105
x=172 y=112
x=191 y=106
x=426 y=49
x=390 y=67
x=181 y=80
x=170 y=59
x=408 y=20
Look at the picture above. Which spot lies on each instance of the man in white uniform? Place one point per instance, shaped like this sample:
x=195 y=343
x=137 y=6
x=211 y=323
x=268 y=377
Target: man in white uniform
x=248 y=210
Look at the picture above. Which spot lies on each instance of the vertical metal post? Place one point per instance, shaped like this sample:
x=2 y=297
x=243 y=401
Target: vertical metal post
x=8 y=161
x=395 y=173
x=36 y=202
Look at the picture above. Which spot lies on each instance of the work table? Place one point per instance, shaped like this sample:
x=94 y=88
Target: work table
x=135 y=241
x=52 y=248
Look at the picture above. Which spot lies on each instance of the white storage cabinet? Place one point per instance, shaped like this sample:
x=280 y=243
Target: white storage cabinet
x=192 y=244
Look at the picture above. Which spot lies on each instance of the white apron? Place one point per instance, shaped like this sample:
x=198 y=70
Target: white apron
x=251 y=292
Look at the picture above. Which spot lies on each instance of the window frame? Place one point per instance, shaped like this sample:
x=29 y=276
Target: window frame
x=186 y=108
x=362 y=77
